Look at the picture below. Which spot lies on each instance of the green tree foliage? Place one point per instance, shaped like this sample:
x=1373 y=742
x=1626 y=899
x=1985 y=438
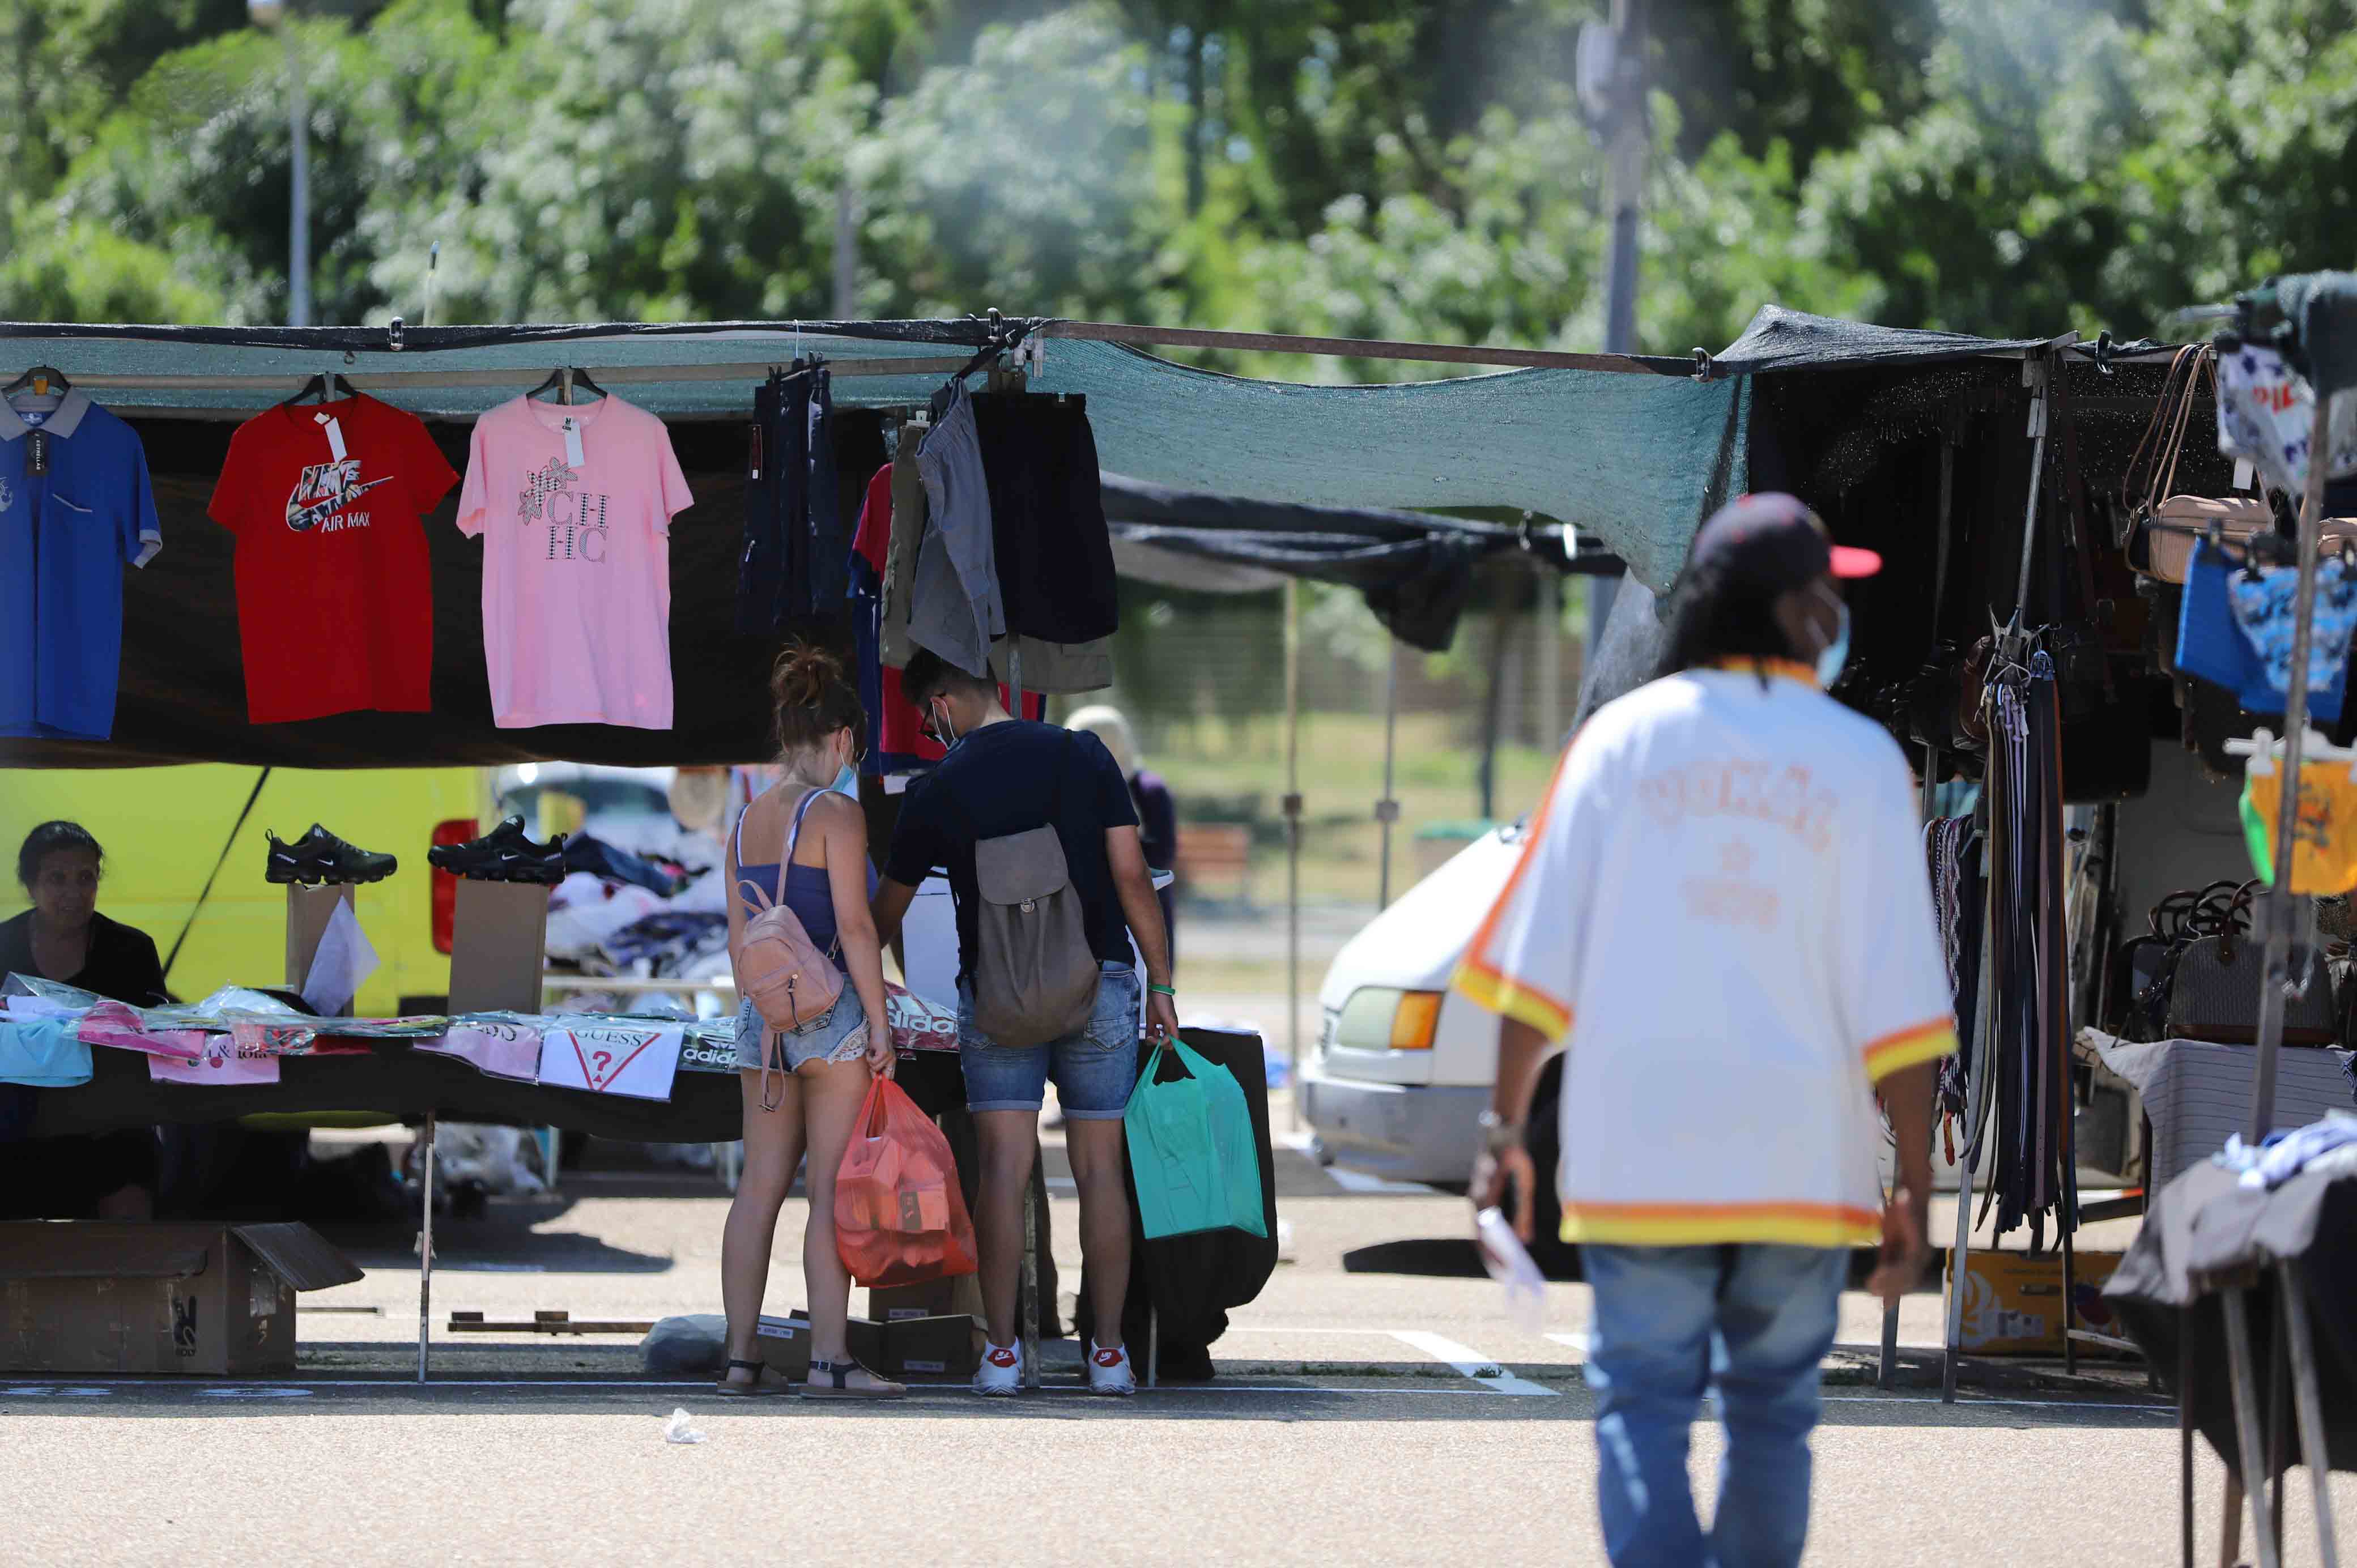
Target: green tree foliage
x=1413 y=168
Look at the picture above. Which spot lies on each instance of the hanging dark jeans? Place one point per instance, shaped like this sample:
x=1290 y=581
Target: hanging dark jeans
x=795 y=562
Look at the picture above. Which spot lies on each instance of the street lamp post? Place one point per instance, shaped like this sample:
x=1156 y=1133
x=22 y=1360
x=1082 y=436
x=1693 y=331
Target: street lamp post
x=272 y=13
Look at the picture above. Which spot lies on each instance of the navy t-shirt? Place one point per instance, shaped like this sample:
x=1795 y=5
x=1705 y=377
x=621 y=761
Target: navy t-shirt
x=1005 y=778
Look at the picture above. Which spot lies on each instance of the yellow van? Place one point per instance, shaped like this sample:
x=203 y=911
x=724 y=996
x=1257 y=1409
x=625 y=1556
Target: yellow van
x=164 y=828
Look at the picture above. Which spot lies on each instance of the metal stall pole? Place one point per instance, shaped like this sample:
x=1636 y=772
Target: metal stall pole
x=1975 y=1082
x=1293 y=840
x=1387 y=808
x=2314 y=1451
x=2279 y=904
x=1030 y=1291
x=2246 y=1417
x=1887 y=1375
x=2279 y=900
x=425 y=1253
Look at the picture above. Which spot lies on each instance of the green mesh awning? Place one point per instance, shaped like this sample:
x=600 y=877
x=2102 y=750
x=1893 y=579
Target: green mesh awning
x=1635 y=456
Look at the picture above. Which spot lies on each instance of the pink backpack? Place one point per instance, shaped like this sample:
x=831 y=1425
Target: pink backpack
x=779 y=969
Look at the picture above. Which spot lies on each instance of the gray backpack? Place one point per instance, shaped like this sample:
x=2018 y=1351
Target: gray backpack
x=1035 y=975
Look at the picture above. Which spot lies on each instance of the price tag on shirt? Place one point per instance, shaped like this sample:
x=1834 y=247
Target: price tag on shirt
x=335 y=434
x=37 y=452
x=2243 y=473
x=572 y=455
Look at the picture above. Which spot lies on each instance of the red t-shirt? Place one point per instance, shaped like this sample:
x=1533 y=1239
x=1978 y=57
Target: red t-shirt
x=335 y=593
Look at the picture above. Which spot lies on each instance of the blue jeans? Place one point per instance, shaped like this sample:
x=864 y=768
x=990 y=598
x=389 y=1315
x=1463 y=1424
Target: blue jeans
x=1669 y=1321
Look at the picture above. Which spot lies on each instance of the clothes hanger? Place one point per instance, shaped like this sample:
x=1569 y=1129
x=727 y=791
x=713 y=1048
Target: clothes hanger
x=324 y=386
x=2263 y=750
x=40 y=378
x=564 y=378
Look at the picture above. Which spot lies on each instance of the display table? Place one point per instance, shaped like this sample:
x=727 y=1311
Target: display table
x=2226 y=1281
x=2197 y=1094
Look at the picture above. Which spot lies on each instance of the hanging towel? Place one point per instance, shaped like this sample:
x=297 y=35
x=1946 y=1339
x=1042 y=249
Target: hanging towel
x=2214 y=643
x=2265 y=606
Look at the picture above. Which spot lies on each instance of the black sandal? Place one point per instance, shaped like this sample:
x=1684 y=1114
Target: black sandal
x=832 y=1381
x=756 y=1388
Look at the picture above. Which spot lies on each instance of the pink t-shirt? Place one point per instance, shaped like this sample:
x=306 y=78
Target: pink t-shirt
x=576 y=561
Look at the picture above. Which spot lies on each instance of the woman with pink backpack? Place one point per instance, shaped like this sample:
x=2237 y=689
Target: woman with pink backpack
x=810 y=1028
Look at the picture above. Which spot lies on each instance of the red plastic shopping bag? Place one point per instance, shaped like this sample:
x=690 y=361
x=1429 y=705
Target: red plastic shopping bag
x=900 y=1218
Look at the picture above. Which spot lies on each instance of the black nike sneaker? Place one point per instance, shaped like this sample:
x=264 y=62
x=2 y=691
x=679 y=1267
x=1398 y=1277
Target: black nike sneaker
x=320 y=857
x=503 y=854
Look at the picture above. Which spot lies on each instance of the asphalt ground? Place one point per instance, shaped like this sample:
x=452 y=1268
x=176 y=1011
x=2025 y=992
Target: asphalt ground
x=1374 y=1405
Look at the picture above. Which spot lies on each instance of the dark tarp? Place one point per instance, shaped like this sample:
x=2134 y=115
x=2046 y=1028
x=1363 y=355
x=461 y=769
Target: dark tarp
x=1416 y=570
x=1628 y=653
x=1782 y=339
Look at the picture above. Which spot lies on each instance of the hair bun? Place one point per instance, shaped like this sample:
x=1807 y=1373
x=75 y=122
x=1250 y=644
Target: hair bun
x=802 y=675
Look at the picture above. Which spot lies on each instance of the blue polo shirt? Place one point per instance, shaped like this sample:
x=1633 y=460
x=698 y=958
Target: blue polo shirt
x=65 y=533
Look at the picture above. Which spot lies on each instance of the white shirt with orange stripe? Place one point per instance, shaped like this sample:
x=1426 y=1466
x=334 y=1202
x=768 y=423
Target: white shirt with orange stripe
x=1723 y=904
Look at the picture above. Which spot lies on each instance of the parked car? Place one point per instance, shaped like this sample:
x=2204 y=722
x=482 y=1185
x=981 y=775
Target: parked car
x=1404 y=1066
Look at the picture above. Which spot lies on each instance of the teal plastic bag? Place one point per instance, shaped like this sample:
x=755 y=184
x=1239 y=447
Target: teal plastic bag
x=1191 y=1151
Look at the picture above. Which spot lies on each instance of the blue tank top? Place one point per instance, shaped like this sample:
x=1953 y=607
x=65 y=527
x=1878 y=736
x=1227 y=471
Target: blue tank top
x=809 y=890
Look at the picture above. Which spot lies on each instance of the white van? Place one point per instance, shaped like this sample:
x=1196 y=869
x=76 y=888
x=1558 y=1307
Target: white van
x=1404 y=1066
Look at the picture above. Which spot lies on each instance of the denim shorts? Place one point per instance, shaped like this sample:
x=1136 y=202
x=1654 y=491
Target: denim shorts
x=838 y=1035
x=1095 y=1070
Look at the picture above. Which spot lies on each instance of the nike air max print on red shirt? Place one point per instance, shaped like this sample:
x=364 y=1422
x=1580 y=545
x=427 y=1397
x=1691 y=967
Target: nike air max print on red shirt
x=334 y=589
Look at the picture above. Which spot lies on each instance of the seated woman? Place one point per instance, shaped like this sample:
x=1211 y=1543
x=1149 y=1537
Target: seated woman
x=108 y=1176
x=803 y=845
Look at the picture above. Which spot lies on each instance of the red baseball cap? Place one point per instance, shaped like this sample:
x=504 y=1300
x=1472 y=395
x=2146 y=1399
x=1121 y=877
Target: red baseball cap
x=1774 y=541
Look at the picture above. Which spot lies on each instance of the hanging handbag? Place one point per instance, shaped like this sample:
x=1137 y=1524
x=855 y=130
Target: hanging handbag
x=2163 y=524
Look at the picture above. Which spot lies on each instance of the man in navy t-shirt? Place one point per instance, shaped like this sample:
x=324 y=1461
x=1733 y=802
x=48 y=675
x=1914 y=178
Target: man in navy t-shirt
x=1004 y=775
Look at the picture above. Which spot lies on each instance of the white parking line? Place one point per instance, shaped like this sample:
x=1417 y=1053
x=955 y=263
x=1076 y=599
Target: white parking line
x=1360 y=1181
x=1484 y=1370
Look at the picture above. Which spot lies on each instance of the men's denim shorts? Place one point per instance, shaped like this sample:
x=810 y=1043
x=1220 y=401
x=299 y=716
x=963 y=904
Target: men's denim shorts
x=1095 y=1070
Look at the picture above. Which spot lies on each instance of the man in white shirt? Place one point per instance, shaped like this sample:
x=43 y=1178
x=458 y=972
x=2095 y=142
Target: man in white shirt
x=1724 y=894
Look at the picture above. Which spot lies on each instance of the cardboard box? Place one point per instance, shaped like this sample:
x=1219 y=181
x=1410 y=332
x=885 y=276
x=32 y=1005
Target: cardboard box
x=946 y=1346
x=785 y=1346
x=499 y=943
x=934 y=1298
x=865 y=1339
x=308 y=910
x=215 y=1300
x=2013 y=1301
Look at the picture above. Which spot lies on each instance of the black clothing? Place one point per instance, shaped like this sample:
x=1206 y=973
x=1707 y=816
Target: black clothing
x=1052 y=548
x=1157 y=836
x=64 y=1178
x=794 y=563
x=2205 y=1224
x=1002 y=780
x=121 y=964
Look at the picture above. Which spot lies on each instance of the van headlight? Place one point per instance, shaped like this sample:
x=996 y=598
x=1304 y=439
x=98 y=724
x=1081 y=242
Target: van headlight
x=1386 y=1019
